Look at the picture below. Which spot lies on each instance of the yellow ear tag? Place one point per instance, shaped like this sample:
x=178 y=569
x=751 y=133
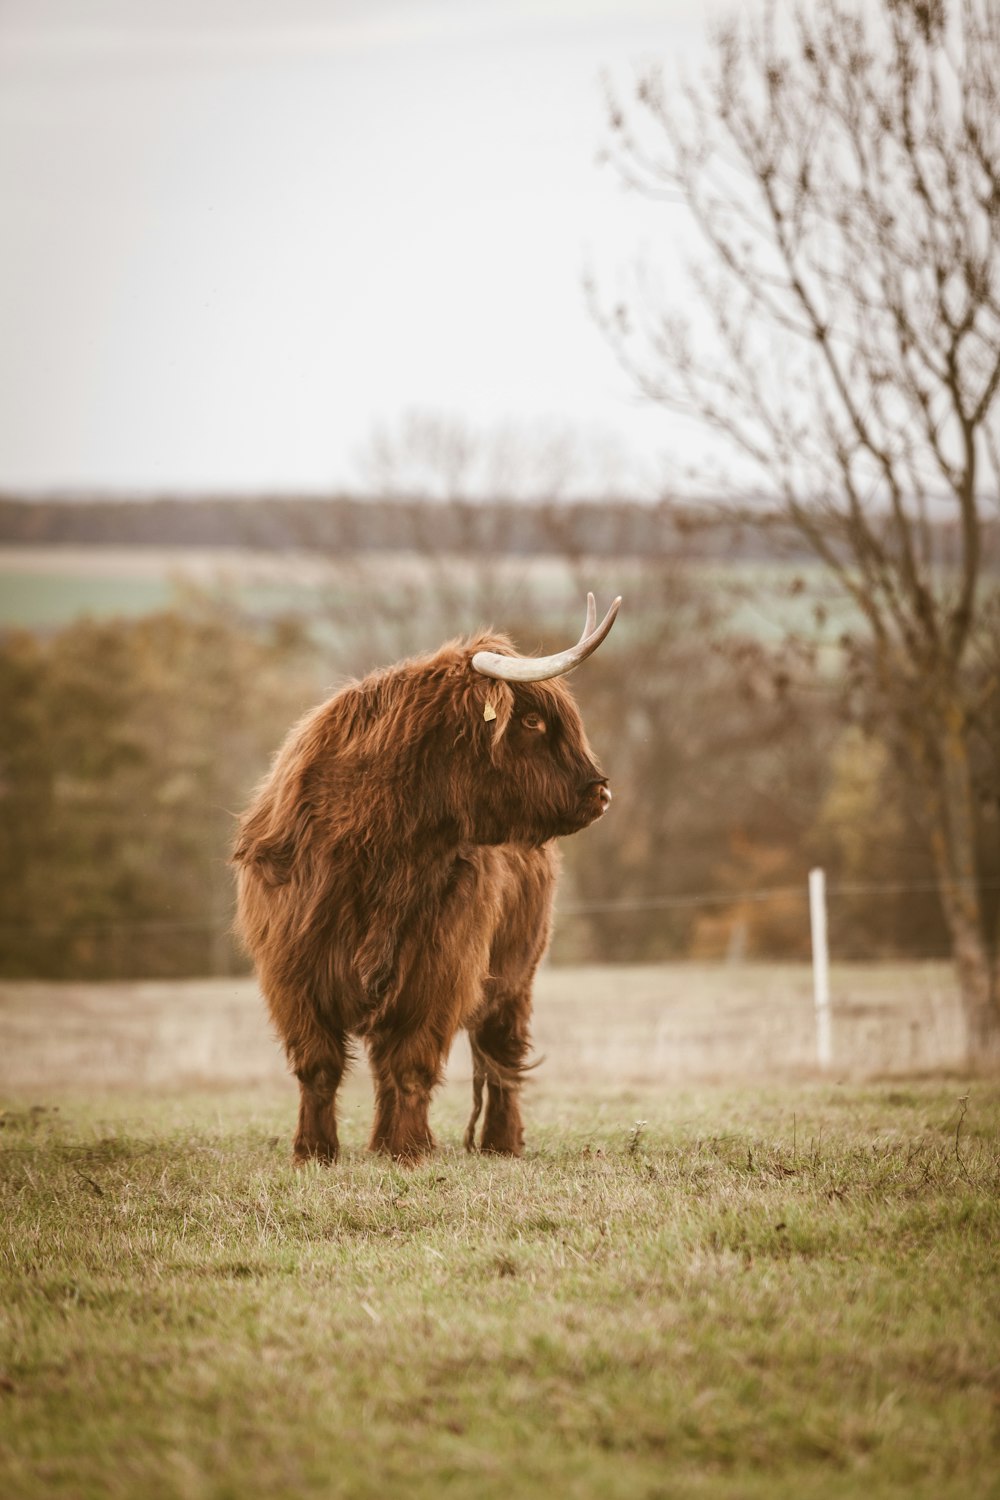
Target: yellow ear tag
x=489 y=713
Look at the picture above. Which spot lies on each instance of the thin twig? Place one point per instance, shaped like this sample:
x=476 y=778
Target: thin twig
x=964 y=1102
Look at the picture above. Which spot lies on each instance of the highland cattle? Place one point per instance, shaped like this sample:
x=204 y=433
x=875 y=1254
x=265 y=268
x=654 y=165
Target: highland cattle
x=396 y=871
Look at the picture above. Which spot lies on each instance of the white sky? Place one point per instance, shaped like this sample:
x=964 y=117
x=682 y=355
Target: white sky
x=239 y=234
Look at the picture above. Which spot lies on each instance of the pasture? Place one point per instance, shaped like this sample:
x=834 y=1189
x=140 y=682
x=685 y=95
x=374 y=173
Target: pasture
x=724 y=1278
x=50 y=586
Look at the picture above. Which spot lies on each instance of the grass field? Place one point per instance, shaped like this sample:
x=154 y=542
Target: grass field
x=785 y=1289
x=778 y=1292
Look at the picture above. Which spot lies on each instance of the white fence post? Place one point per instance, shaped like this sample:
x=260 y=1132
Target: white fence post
x=821 y=967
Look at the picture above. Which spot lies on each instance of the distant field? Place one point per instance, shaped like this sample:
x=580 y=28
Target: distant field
x=666 y=1024
x=44 y=587
x=51 y=586
x=38 y=593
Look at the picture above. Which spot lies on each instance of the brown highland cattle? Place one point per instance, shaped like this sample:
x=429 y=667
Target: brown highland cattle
x=396 y=871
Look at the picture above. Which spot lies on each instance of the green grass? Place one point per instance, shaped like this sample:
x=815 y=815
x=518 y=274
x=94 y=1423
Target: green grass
x=760 y=1293
x=50 y=601
x=46 y=587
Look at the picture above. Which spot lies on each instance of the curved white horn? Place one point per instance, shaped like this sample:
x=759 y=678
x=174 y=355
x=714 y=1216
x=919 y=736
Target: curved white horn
x=538 y=668
x=591 y=617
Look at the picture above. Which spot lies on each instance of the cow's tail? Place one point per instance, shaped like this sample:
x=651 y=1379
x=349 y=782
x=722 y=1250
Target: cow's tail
x=478 y=1083
x=488 y=1070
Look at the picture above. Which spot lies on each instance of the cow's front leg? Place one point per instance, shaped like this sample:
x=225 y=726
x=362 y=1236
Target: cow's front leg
x=406 y=1072
x=440 y=983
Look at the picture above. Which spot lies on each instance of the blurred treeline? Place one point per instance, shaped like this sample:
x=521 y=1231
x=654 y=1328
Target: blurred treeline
x=124 y=745
x=128 y=746
x=406 y=519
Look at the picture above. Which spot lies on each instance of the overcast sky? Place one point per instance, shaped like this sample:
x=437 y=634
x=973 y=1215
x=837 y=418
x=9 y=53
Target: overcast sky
x=237 y=236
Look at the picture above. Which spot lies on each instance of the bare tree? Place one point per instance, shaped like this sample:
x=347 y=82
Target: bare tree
x=490 y=531
x=436 y=456
x=841 y=165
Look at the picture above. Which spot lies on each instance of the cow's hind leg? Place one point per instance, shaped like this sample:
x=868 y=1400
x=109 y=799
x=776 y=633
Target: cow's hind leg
x=318 y=1059
x=405 y=1072
x=499 y=1047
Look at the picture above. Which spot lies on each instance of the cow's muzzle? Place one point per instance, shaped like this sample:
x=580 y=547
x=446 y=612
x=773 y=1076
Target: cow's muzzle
x=597 y=796
x=592 y=802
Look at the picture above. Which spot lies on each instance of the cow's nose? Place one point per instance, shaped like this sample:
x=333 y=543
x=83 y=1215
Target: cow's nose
x=599 y=789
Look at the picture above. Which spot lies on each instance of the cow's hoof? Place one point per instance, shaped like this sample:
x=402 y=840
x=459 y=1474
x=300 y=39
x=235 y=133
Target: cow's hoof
x=407 y=1154
x=318 y=1151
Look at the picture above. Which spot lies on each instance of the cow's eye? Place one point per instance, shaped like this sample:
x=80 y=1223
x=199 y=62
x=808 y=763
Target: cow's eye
x=534 y=722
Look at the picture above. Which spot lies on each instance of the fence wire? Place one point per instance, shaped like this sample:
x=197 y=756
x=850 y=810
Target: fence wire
x=674 y=901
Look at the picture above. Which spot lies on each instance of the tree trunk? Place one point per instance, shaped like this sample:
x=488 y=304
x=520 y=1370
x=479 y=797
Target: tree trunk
x=953 y=838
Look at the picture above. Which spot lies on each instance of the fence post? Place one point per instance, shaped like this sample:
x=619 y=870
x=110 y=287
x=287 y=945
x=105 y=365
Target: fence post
x=821 y=967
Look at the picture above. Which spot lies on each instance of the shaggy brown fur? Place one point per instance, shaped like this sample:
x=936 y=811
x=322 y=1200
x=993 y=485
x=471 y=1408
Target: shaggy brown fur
x=396 y=872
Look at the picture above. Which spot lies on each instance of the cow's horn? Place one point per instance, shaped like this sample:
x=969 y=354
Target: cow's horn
x=538 y=668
